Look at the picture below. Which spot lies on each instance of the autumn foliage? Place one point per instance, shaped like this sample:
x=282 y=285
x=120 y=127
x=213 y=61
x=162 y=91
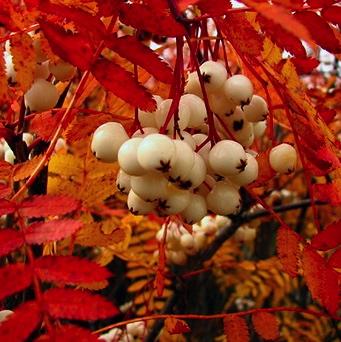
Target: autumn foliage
x=75 y=263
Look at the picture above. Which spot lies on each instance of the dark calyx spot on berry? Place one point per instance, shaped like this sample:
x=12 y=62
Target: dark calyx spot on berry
x=218 y=177
x=164 y=166
x=241 y=167
x=206 y=77
x=229 y=113
x=185 y=184
x=174 y=180
x=162 y=205
x=134 y=212
x=238 y=125
x=245 y=103
x=120 y=188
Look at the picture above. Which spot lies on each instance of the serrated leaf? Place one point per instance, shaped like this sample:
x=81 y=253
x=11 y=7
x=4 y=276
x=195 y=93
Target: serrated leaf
x=10 y=240
x=266 y=325
x=305 y=65
x=14 y=278
x=176 y=326
x=329 y=193
x=76 y=304
x=69 y=270
x=42 y=232
x=24 y=60
x=22 y=323
x=5 y=190
x=322 y=280
x=136 y=52
x=48 y=205
x=24 y=170
x=123 y=84
x=328 y=238
x=288 y=249
x=74 y=48
x=235 y=329
x=332 y=14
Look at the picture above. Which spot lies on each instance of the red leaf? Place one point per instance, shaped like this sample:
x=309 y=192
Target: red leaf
x=320 y=30
x=288 y=249
x=214 y=8
x=21 y=324
x=329 y=238
x=69 y=270
x=136 y=52
x=235 y=329
x=6 y=207
x=266 y=325
x=14 y=278
x=42 y=232
x=10 y=240
x=149 y=18
x=76 y=304
x=69 y=333
x=335 y=259
x=74 y=48
x=108 y=8
x=5 y=190
x=329 y=193
x=183 y=4
x=241 y=34
x=326 y=114
x=332 y=14
x=176 y=326
x=48 y=205
x=305 y=65
x=265 y=170
x=322 y=281
x=123 y=84
x=320 y=3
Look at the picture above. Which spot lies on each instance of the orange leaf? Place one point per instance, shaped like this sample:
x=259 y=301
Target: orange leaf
x=288 y=249
x=176 y=326
x=4 y=98
x=235 y=329
x=24 y=170
x=266 y=325
x=329 y=193
x=265 y=170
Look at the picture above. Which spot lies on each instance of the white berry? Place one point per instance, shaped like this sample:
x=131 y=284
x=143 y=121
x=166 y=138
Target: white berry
x=257 y=110
x=214 y=75
x=176 y=201
x=127 y=157
x=123 y=182
x=259 y=128
x=137 y=205
x=197 y=109
x=196 y=175
x=283 y=158
x=250 y=173
x=195 y=210
x=238 y=89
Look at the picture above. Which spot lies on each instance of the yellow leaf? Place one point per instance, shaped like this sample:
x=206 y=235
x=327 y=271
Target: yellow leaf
x=271 y=53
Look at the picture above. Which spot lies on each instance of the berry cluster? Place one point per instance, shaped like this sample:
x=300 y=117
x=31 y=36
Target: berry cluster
x=180 y=172
x=134 y=332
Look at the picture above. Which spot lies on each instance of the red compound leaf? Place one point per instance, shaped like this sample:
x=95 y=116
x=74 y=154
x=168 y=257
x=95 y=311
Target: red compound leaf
x=329 y=238
x=10 y=240
x=69 y=270
x=332 y=14
x=266 y=325
x=14 y=278
x=48 y=205
x=6 y=207
x=76 y=304
x=335 y=259
x=42 y=232
x=176 y=326
x=235 y=329
x=22 y=323
x=305 y=65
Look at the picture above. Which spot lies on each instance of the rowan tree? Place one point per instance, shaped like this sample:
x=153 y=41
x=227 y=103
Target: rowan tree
x=170 y=170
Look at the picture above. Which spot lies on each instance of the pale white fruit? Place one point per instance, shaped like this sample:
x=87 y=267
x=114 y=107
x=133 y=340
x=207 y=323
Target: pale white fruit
x=147 y=119
x=259 y=128
x=283 y=158
x=137 y=205
x=9 y=66
x=204 y=151
x=227 y=158
x=150 y=186
x=178 y=258
x=9 y=156
x=183 y=113
x=200 y=240
x=123 y=182
x=214 y=75
x=206 y=186
x=221 y=105
x=223 y=199
x=209 y=225
x=248 y=140
x=176 y=201
x=107 y=140
x=197 y=174
x=238 y=89
x=28 y=138
x=193 y=85
x=112 y=335
x=250 y=173
x=187 y=241
x=197 y=109
x=4 y=315
x=127 y=338
x=137 y=329
x=41 y=96
x=195 y=210
x=222 y=221
x=257 y=110
x=146 y=131
x=187 y=138
x=60 y=145
x=42 y=70
x=62 y=71
x=127 y=157
x=183 y=162
x=156 y=153
x=245 y=234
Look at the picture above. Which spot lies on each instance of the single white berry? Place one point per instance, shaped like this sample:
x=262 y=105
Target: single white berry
x=195 y=210
x=156 y=153
x=200 y=240
x=41 y=96
x=107 y=140
x=147 y=119
x=214 y=75
x=178 y=258
x=283 y=158
x=113 y=335
x=204 y=151
x=257 y=110
x=28 y=138
x=227 y=158
x=123 y=182
x=9 y=156
x=250 y=173
x=150 y=186
x=127 y=157
x=259 y=128
x=4 y=315
x=146 y=131
x=62 y=71
x=187 y=138
x=238 y=89
x=176 y=201
x=187 y=241
x=197 y=109
x=223 y=199
x=193 y=85
x=220 y=104
x=197 y=174
x=137 y=329
x=137 y=205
